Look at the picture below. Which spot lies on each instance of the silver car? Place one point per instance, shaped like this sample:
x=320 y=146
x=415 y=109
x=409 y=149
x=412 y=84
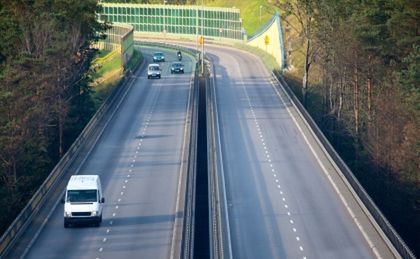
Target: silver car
x=153 y=71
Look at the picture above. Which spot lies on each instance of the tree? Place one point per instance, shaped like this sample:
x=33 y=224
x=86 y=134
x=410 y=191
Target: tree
x=303 y=12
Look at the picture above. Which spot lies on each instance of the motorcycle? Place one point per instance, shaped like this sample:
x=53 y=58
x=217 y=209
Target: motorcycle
x=179 y=57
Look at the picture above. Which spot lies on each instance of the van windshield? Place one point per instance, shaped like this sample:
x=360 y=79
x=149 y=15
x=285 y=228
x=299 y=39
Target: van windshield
x=82 y=196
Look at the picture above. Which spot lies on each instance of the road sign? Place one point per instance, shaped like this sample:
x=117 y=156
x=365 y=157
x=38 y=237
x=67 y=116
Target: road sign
x=266 y=40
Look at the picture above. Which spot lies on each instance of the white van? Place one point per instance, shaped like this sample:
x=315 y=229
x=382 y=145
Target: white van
x=83 y=200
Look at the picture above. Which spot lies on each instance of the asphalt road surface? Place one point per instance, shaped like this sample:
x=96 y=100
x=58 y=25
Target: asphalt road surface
x=280 y=203
x=139 y=159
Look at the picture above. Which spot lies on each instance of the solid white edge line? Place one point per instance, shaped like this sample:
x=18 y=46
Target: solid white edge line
x=325 y=171
x=177 y=203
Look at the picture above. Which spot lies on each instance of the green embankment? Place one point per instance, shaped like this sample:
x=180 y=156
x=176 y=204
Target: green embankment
x=109 y=72
x=250 y=12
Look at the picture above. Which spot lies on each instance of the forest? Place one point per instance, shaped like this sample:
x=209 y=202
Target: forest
x=45 y=97
x=355 y=64
x=356 y=67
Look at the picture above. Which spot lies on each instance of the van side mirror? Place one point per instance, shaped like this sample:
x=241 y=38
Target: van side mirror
x=103 y=200
x=62 y=200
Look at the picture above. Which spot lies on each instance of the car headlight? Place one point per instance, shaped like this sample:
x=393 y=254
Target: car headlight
x=94 y=213
x=182 y=68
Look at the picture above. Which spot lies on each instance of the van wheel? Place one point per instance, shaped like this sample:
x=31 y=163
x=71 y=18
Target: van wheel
x=66 y=224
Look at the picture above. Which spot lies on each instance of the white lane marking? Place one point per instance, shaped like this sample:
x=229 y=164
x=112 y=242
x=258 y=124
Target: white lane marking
x=107 y=231
x=122 y=193
x=267 y=154
x=129 y=170
x=101 y=249
x=119 y=200
x=123 y=186
x=113 y=214
x=278 y=186
x=116 y=207
x=104 y=240
x=294 y=229
x=126 y=181
x=111 y=222
x=128 y=176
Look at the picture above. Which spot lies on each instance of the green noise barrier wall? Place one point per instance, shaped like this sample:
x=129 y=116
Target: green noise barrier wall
x=176 y=19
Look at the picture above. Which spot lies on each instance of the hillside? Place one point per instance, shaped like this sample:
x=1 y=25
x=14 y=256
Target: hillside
x=250 y=12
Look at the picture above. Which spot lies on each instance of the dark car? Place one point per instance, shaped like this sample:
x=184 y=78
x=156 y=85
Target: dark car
x=158 y=57
x=177 y=67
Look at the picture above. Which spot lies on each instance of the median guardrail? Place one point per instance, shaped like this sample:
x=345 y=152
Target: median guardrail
x=219 y=219
x=403 y=250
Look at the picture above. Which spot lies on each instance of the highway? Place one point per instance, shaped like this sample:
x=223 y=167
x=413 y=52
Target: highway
x=280 y=202
x=141 y=161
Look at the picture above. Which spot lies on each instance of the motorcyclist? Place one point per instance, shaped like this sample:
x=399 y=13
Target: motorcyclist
x=179 y=55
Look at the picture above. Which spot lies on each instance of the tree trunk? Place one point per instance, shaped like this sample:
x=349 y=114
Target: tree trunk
x=369 y=90
x=60 y=136
x=306 y=74
x=356 y=100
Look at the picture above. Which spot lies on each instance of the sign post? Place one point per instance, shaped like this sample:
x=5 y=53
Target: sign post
x=266 y=42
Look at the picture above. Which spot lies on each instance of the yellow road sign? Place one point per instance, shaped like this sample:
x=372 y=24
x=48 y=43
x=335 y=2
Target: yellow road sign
x=266 y=40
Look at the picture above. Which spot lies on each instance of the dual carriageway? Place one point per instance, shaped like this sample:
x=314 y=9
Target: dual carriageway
x=282 y=196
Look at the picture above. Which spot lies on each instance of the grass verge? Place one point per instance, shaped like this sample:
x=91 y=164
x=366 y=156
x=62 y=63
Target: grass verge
x=110 y=73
